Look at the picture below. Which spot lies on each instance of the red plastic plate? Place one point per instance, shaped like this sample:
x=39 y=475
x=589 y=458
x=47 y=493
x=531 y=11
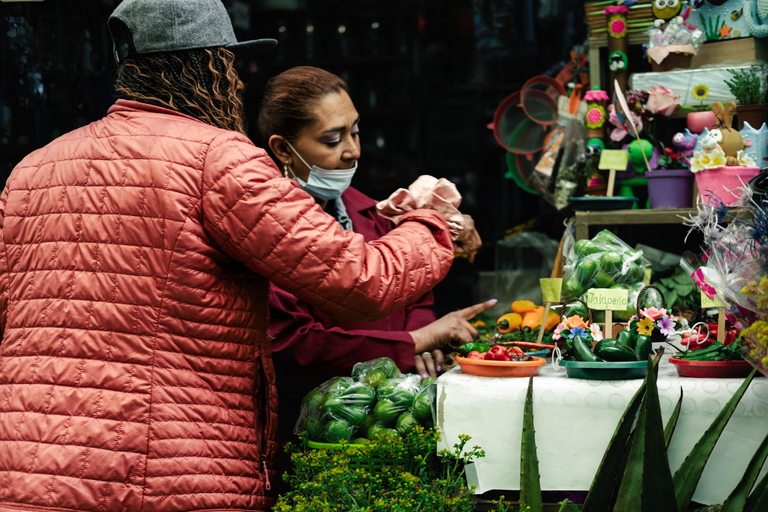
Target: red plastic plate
x=711 y=369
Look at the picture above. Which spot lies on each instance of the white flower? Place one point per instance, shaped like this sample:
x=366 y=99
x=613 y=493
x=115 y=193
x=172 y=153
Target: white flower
x=745 y=159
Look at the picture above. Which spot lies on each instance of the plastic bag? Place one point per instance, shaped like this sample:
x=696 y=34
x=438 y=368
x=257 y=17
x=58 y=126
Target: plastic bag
x=376 y=398
x=602 y=262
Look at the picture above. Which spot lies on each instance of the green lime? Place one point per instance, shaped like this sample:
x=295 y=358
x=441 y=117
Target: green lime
x=388 y=366
x=611 y=262
x=313 y=401
x=604 y=280
x=374 y=430
x=338 y=384
x=572 y=287
x=586 y=268
x=313 y=427
x=584 y=247
x=337 y=430
x=370 y=419
x=422 y=405
x=354 y=414
x=359 y=393
x=406 y=422
x=426 y=381
x=360 y=440
x=333 y=403
x=359 y=369
x=387 y=387
x=374 y=377
x=386 y=412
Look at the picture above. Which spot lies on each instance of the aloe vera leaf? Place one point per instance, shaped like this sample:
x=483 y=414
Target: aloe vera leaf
x=687 y=476
x=758 y=497
x=672 y=423
x=737 y=500
x=612 y=466
x=647 y=482
x=530 y=483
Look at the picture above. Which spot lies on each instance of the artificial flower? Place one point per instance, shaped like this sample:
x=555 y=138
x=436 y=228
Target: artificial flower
x=622 y=130
x=666 y=326
x=556 y=335
x=662 y=101
x=577 y=331
x=645 y=326
x=745 y=159
x=700 y=92
x=576 y=321
x=653 y=313
x=597 y=334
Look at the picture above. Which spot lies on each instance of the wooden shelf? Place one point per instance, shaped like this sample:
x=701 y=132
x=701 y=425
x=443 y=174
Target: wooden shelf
x=584 y=219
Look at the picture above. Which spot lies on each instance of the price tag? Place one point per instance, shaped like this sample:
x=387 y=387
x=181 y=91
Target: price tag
x=706 y=302
x=615 y=159
x=550 y=289
x=614 y=299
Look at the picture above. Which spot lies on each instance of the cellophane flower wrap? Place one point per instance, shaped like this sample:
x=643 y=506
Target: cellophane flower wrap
x=734 y=268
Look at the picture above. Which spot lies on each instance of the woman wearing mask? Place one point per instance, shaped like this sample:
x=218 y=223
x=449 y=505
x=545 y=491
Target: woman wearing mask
x=310 y=124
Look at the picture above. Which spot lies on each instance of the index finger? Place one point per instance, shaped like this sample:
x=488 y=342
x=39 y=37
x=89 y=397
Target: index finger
x=472 y=311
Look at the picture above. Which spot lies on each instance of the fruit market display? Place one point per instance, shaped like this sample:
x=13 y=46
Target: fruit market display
x=377 y=398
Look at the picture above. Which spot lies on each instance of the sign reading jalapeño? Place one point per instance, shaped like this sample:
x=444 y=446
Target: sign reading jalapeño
x=614 y=299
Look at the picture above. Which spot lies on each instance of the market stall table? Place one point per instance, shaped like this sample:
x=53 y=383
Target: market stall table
x=576 y=418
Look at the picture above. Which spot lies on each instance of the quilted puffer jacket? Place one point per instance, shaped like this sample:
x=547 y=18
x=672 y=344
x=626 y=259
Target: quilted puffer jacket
x=135 y=259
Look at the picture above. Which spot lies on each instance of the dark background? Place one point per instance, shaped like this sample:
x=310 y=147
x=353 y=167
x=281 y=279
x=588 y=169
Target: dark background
x=425 y=75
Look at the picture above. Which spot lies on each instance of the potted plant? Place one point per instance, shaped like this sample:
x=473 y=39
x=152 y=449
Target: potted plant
x=747 y=88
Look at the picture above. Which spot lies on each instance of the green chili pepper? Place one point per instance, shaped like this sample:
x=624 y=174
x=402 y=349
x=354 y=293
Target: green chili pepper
x=643 y=347
x=610 y=350
x=583 y=352
x=627 y=338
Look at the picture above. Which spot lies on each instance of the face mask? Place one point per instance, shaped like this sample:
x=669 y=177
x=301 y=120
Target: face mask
x=323 y=184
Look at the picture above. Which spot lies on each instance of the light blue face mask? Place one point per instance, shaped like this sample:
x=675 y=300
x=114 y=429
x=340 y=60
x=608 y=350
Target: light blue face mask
x=324 y=184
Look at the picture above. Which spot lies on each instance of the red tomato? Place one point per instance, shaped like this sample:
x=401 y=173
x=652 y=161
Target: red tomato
x=474 y=355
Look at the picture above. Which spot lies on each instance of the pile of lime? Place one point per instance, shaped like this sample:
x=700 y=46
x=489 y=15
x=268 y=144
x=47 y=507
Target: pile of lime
x=376 y=398
x=605 y=261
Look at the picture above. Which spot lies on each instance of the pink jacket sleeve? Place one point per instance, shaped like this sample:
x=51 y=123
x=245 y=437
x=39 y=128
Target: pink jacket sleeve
x=270 y=224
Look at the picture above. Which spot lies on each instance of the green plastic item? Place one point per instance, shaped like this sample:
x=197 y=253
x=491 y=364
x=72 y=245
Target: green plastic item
x=617 y=370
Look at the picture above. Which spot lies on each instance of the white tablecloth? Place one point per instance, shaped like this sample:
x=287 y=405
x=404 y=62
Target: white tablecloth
x=576 y=418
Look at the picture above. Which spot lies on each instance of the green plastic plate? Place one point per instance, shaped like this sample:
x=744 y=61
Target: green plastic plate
x=605 y=371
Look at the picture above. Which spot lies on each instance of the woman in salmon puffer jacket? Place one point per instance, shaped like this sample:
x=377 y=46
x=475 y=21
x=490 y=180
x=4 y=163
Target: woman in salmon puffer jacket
x=136 y=255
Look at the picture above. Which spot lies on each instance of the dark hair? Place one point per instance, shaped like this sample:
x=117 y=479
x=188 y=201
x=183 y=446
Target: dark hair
x=288 y=101
x=201 y=83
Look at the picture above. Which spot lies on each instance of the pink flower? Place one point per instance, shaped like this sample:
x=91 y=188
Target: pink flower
x=653 y=313
x=556 y=335
x=597 y=334
x=622 y=131
x=662 y=101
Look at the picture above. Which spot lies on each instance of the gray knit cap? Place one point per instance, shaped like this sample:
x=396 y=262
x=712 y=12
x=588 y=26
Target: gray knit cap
x=173 y=25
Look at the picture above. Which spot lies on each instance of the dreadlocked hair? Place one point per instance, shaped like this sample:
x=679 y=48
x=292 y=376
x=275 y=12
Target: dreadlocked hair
x=201 y=83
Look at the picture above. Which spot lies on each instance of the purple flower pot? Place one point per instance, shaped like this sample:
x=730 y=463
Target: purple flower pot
x=670 y=188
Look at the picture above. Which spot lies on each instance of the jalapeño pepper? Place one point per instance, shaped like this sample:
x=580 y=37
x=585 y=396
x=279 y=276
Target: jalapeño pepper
x=627 y=338
x=583 y=352
x=643 y=347
x=610 y=350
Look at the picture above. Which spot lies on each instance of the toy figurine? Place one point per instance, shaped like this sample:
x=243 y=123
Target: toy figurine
x=684 y=143
x=665 y=10
x=731 y=140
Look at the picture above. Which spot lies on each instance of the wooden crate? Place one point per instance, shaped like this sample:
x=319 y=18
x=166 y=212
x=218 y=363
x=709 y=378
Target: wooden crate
x=743 y=48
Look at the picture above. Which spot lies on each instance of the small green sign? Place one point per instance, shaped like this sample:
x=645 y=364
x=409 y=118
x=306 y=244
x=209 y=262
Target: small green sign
x=706 y=302
x=550 y=289
x=615 y=159
x=615 y=299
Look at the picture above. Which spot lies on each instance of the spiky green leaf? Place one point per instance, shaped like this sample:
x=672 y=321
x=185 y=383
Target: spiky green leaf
x=530 y=482
x=672 y=423
x=737 y=500
x=687 y=476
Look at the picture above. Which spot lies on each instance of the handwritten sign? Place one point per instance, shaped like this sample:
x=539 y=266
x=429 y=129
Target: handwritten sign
x=550 y=289
x=614 y=299
x=706 y=302
x=616 y=159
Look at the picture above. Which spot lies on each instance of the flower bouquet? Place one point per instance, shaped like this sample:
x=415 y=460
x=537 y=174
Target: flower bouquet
x=656 y=323
x=735 y=268
x=576 y=335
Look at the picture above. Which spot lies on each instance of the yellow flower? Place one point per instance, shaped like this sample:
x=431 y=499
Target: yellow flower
x=645 y=326
x=700 y=92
